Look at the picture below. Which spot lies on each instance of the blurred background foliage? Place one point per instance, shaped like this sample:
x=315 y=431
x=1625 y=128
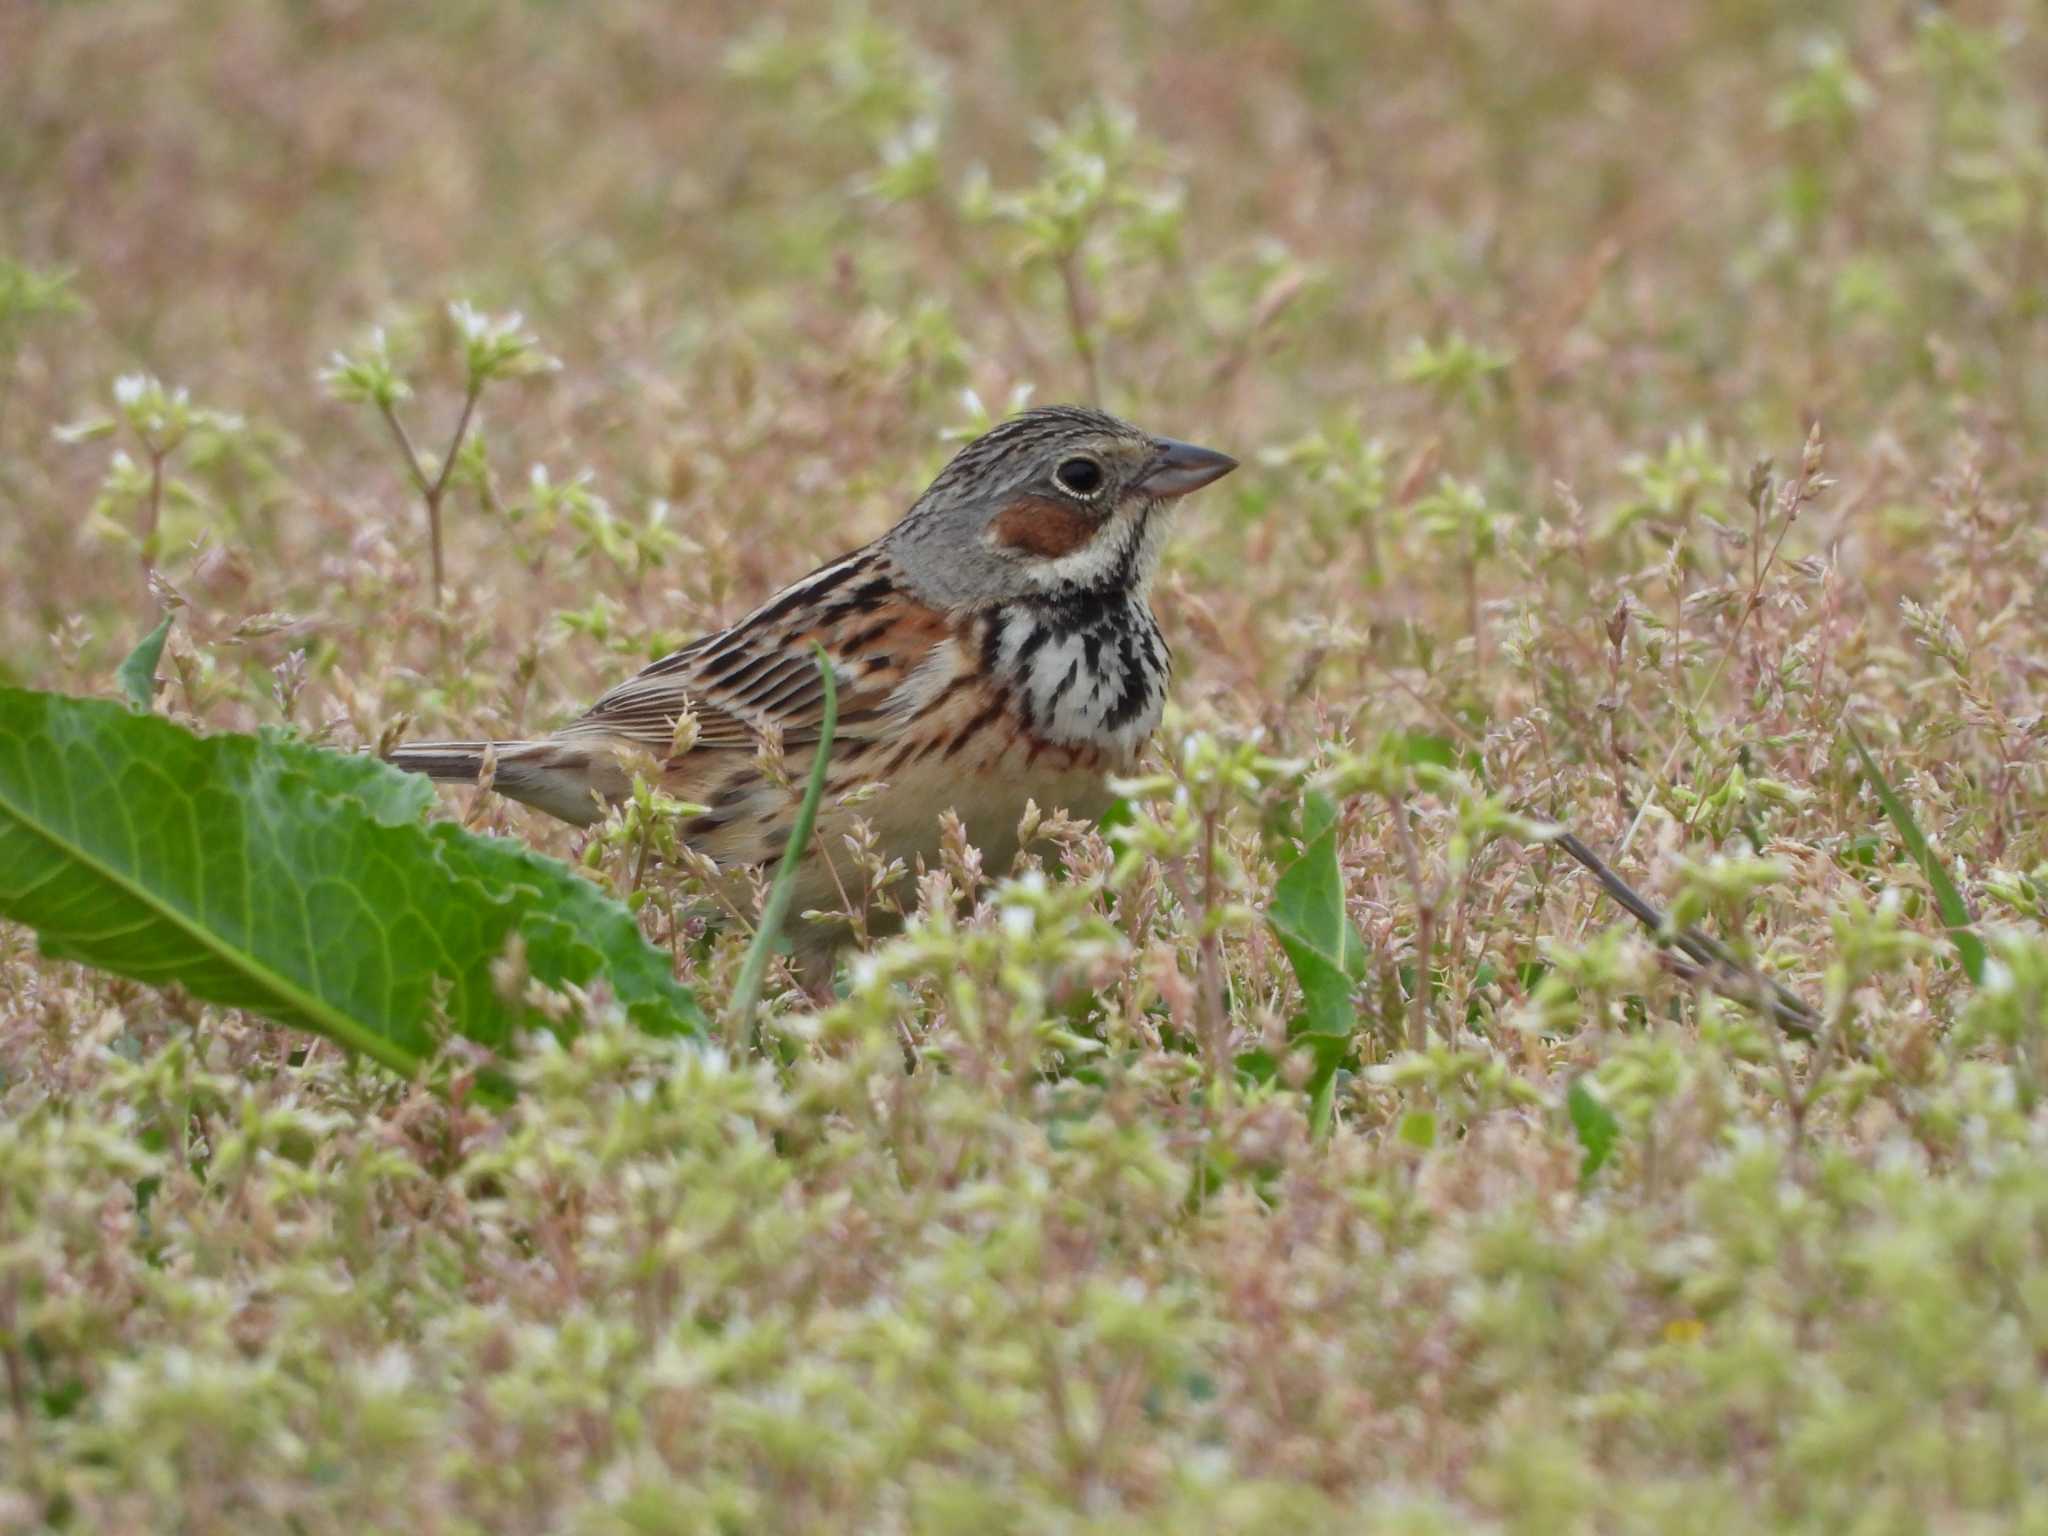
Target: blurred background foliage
x=1505 y=308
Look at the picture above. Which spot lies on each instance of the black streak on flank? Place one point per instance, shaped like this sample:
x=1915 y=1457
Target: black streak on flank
x=953 y=686
x=973 y=727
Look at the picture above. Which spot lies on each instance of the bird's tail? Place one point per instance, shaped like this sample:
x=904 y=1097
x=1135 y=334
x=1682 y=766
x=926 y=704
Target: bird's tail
x=563 y=779
x=449 y=762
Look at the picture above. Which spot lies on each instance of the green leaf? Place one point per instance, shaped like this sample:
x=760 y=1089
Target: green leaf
x=1414 y=747
x=137 y=675
x=1257 y=1066
x=301 y=884
x=1307 y=915
x=1954 y=911
x=1119 y=814
x=1308 y=918
x=1596 y=1126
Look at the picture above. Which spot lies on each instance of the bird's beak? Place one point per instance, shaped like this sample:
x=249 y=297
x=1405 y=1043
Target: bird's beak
x=1178 y=468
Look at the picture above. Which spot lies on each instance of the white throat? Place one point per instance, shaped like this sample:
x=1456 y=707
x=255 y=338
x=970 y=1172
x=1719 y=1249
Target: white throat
x=1085 y=655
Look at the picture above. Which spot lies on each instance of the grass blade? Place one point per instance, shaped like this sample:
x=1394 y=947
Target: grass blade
x=746 y=996
x=1954 y=911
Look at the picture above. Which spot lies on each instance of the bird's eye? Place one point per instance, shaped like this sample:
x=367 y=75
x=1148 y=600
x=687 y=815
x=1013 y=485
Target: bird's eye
x=1083 y=477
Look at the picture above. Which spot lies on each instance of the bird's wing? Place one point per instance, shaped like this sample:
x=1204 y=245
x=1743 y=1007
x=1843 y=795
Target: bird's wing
x=763 y=673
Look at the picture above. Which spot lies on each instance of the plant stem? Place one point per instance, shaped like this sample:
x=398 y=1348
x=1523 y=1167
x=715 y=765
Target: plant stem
x=1077 y=322
x=746 y=996
x=1215 y=1020
x=1790 y=500
x=1425 y=926
x=412 y=457
x=152 y=513
x=1717 y=965
x=469 y=400
x=432 y=491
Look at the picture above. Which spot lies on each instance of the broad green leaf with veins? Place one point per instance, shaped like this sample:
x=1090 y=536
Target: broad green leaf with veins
x=298 y=883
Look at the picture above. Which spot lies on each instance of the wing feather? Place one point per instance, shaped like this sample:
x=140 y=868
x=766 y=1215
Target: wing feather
x=761 y=673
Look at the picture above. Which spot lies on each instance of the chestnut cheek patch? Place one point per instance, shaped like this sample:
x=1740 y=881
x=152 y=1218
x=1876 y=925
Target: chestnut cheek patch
x=1037 y=525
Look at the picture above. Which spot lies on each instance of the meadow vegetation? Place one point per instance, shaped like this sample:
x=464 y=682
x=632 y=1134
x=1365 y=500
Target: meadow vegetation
x=1641 y=407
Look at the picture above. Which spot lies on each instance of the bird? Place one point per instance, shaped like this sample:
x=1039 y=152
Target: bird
x=996 y=647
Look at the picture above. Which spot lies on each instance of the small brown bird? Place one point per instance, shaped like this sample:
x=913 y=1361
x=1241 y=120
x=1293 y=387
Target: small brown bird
x=994 y=647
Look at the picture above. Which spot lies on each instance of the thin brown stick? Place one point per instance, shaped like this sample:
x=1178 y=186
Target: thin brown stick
x=432 y=491
x=1717 y=966
x=469 y=400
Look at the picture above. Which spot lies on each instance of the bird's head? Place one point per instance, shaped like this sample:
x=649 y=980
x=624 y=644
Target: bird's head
x=1056 y=500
